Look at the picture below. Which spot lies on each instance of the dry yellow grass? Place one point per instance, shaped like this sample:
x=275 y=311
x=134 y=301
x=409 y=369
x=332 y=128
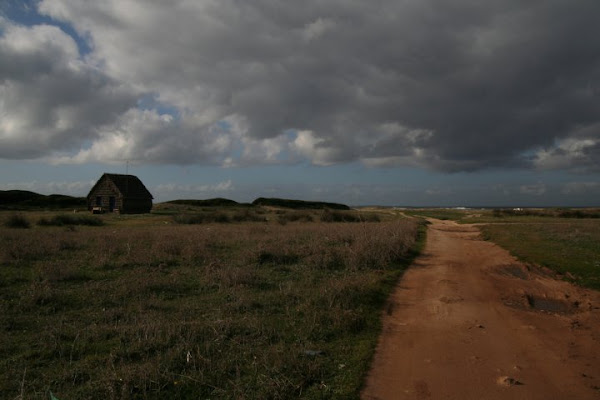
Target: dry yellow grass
x=157 y=310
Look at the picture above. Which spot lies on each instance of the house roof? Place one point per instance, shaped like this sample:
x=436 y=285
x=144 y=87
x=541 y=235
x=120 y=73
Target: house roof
x=129 y=185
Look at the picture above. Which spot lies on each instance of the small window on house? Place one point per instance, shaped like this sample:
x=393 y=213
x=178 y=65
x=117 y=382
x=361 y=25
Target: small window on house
x=99 y=201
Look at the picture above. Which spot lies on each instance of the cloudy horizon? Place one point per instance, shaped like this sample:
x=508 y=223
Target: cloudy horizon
x=424 y=102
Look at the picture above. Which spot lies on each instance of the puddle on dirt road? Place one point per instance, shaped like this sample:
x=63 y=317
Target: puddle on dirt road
x=514 y=270
x=452 y=229
x=551 y=305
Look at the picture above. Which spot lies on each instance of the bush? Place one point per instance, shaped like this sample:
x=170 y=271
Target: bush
x=64 y=219
x=339 y=216
x=17 y=221
x=370 y=217
x=220 y=217
x=193 y=219
x=247 y=216
x=190 y=219
x=297 y=216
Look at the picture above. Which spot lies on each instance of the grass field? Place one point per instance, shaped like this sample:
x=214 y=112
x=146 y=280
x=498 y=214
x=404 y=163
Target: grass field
x=144 y=308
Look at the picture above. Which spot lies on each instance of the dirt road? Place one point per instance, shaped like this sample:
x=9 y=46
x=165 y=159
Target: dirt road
x=468 y=321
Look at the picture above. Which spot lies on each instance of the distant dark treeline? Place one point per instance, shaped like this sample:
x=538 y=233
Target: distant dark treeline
x=218 y=202
x=261 y=201
x=299 y=204
x=19 y=199
x=23 y=199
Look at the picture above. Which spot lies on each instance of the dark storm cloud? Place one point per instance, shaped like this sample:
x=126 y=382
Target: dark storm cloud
x=457 y=85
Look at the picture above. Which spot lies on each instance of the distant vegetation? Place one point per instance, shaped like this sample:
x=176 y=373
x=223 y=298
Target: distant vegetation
x=258 y=214
x=298 y=204
x=263 y=202
x=512 y=215
x=219 y=216
x=548 y=212
x=17 y=221
x=23 y=199
x=217 y=202
x=348 y=216
x=221 y=210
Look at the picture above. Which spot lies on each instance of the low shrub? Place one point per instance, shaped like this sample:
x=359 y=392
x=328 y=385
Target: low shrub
x=295 y=217
x=218 y=217
x=247 y=216
x=221 y=217
x=190 y=219
x=205 y=218
x=17 y=221
x=370 y=217
x=65 y=219
x=340 y=216
x=578 y=214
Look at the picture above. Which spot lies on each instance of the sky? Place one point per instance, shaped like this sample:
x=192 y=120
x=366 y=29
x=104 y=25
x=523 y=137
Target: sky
x=364 y=102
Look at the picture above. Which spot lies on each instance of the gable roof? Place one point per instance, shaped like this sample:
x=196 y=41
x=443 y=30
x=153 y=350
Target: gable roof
x=129 y=185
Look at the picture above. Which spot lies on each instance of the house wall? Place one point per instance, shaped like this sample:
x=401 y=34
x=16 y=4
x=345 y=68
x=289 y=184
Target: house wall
x=135 y=206
x=105 y=190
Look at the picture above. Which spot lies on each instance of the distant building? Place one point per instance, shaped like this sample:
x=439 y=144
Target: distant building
x=125 y=194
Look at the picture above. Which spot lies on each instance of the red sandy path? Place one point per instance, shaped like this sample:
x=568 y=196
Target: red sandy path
x=468 y=321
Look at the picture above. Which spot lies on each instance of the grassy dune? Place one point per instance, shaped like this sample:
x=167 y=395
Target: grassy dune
x=141 y=307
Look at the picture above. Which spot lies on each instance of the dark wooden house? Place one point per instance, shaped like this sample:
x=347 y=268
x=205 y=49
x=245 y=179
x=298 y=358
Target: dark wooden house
x=125 y=194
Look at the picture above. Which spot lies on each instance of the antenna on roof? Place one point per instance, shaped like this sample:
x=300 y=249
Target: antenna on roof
x=127 y=178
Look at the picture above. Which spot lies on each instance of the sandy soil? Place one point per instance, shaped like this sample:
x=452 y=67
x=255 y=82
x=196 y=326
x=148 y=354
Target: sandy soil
x=468 y=321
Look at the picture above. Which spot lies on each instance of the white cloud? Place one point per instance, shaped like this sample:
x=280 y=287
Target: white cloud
x=147 y=137
x=314 y=148
x=51 y=100
x=191 y=188
x=77 y=188
x=317 y=28
x=169 y=191
x=568 y=153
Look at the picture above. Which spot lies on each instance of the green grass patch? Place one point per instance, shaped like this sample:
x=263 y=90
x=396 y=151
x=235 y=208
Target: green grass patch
x=566 y=246
x=139 y=309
